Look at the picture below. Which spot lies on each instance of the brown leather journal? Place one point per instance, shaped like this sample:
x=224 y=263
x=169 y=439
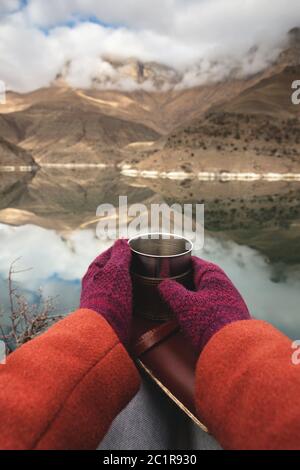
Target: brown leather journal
x=162 y=351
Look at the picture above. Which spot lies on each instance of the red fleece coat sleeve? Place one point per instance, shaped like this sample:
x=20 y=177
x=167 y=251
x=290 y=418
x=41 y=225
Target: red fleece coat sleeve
x=63 y=389
x=247 y=388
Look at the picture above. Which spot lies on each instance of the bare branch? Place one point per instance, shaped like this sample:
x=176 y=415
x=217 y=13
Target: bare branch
x=26 y=320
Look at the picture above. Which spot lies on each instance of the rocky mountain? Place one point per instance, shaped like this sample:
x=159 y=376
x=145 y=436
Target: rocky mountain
x=290 y=56
x=127 y=73
x=257 y=131
x=63 y=127
x=216 y=125
x=60 y=124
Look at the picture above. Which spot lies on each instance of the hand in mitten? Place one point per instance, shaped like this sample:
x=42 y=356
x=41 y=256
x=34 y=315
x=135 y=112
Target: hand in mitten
x=107 y=288
x=214 y=304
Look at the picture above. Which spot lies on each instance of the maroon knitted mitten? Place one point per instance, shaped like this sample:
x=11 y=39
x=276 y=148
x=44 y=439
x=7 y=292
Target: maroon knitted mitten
x=214 y=304
x=107 y=288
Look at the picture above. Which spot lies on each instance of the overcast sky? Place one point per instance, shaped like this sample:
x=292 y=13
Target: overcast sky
x=37 y=37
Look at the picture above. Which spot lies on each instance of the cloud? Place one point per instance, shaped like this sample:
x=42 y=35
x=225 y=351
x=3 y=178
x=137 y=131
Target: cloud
x=9 y=6
x=150 y=14
x=68 y=258
x=254 y=277
x=203 y=40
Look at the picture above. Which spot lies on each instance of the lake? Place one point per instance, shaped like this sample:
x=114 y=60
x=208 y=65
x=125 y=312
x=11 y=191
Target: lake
x=48 y=221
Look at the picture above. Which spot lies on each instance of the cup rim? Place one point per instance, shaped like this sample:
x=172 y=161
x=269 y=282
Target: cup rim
x=174 y=235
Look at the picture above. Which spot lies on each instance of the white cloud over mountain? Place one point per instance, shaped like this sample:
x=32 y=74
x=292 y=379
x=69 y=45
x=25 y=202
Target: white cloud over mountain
x=202 y=39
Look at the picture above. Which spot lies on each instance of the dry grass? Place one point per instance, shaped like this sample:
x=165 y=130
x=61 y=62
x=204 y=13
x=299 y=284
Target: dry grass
x=26 y=321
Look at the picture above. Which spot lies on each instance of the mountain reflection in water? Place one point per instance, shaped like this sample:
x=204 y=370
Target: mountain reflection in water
x=252 y=231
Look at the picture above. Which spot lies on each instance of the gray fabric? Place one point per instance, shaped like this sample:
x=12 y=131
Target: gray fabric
x=152 y=422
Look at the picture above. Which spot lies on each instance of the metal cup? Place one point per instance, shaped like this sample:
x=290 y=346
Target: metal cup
x=155 y=257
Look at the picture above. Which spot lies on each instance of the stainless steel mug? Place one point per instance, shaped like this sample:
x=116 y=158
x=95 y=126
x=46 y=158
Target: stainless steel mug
x=155 y=257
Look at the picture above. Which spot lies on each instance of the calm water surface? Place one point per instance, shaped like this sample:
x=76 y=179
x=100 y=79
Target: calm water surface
x=255 y=243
